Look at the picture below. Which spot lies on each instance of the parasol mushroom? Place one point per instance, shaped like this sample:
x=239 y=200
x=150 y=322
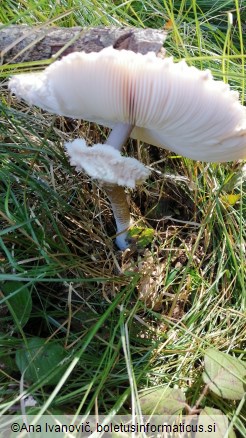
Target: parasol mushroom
x=158 y=101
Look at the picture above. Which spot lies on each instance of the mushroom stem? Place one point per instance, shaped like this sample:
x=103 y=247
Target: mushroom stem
x=119 y=134
x=115 y=193
x=117 y=197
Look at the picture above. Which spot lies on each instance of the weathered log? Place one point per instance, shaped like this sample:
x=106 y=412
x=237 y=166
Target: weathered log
x=21 y=43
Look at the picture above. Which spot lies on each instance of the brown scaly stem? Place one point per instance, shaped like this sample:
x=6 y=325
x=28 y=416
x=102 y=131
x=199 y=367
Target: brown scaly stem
x=116 y=194
x=117 y=197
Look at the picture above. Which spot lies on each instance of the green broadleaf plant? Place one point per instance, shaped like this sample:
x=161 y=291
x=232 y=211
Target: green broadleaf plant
x=215 y=419
x=143 y=236
x=19 y=301
x=224 y=374
x=37 y=359
x=162 y=401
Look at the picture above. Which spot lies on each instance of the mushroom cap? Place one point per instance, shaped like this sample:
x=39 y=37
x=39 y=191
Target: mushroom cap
x=171 y=105
x=106 y=164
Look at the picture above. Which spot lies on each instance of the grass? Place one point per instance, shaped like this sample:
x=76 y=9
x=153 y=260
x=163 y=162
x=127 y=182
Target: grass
x=132 y=320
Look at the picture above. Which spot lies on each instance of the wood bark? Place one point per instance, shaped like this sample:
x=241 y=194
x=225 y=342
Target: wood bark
x=21 y=43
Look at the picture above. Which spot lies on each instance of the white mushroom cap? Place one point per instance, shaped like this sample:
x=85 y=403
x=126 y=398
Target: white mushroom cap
x=106 y=164
x=170 y=104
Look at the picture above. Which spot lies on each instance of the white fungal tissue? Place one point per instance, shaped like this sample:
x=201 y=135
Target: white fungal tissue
x=106 y=164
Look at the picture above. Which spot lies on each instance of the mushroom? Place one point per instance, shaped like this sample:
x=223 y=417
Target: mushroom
x=161 y=102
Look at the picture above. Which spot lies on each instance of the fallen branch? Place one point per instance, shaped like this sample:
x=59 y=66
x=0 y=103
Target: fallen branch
x=21 y=43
